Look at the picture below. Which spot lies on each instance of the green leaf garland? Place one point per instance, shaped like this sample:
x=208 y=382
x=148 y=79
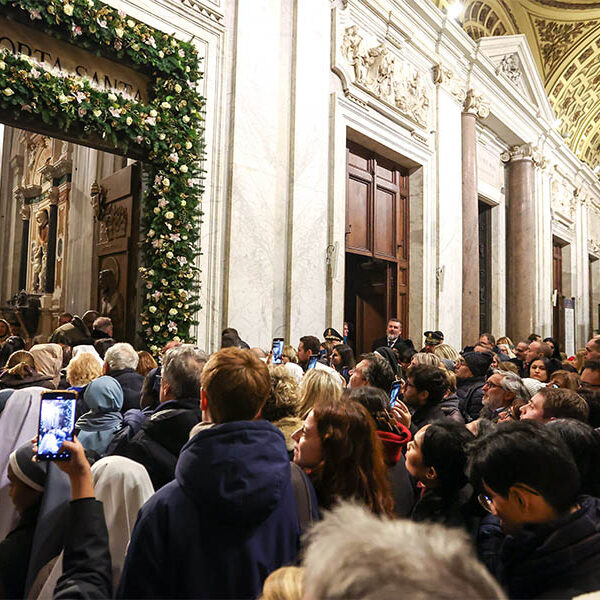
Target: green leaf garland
x=168 y=131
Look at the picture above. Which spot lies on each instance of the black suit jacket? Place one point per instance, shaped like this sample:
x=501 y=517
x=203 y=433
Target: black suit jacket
x=400 y=344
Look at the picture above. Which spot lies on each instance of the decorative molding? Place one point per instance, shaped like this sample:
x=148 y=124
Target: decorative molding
x=29 y=191
x=381 y=72
x=203 y=10
x=475 y=103
x=25 y=212
x=444 y=77
x=54 y=195
x=57 y=170
x=594 y=247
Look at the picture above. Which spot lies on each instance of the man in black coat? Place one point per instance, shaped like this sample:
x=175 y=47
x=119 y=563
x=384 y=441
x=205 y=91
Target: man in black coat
x=471 y=371
x=167 y=429
x=120 y=362
x=392 y=338
x=530 y=482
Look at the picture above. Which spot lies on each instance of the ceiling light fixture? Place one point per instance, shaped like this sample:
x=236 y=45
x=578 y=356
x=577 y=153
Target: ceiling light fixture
x=455 y=10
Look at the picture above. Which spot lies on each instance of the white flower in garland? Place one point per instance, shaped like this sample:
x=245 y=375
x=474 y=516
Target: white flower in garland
x=173 y=157
x=8 y=92
x=183 y=168
x=172 y=311
x=68 y=9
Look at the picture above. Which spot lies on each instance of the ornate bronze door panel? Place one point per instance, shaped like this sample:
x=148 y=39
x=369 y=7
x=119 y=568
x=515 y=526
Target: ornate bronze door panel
x=116 y=207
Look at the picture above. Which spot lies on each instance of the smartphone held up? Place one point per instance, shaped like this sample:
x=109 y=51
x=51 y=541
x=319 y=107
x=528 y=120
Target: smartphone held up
x=277 y=351
x=57 y=424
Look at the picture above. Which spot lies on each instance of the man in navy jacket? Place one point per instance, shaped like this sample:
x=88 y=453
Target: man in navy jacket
x=230 y=516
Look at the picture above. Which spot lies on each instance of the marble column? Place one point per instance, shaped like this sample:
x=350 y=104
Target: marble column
x=52 y=229
x=24 y=259
x=520 y=242
x=474 y=107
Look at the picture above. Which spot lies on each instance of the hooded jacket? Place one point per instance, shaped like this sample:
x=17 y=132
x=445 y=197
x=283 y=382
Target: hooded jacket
x=157 y=443
x=226 y=522
x=554 y=560
x=470 y=397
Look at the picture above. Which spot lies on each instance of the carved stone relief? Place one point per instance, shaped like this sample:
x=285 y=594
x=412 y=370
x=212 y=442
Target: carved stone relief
x=380 y=71
x=509 y=67
x=564 y=201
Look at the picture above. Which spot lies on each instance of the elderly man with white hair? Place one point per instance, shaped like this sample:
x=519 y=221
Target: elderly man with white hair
x=354 y=554
x=120 y=362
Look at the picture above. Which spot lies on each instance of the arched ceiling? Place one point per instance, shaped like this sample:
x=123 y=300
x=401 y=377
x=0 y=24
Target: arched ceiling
x=564 y=36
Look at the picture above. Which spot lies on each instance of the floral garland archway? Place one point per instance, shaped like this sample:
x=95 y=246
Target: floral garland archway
x=167 y=130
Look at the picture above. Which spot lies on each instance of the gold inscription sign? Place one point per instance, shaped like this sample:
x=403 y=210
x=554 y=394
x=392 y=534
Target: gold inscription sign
x=62 y=57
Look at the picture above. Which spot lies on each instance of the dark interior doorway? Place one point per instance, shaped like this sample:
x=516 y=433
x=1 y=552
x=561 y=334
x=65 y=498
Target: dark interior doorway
x=485 y=267
x=558 y=325
x=370 y=297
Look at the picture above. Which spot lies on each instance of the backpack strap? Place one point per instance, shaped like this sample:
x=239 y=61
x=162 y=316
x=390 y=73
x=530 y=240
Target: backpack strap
x=303 y=496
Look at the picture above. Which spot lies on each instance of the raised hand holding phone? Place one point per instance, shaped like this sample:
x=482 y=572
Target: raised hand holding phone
x=56 y=424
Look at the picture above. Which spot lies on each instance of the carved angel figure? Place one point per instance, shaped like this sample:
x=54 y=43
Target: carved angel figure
x=354 y=52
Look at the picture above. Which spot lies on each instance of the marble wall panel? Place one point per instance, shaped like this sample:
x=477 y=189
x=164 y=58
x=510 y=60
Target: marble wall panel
x=450 y=219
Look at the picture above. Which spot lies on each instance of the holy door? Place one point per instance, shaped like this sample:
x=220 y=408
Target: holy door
x=116 y=211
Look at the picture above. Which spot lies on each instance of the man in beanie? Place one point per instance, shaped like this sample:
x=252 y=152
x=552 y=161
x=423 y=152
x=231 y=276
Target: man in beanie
x=471 y=370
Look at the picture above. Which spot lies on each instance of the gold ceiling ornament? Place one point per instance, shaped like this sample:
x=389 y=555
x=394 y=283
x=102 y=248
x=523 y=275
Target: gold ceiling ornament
x=564 y=37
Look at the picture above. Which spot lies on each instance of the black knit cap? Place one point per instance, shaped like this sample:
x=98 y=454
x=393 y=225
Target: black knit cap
x=478 y=362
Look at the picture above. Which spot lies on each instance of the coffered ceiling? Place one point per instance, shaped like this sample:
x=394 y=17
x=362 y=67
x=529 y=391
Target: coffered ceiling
x=564 y=36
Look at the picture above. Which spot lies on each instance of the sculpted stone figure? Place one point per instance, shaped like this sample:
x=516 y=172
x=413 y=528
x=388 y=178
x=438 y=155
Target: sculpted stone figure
x=354 y=52
x=112 y=304
x=40 y=251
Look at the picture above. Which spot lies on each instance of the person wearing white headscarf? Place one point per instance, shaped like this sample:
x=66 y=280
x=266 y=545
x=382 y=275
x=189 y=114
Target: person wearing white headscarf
x=48 y=360
x=18 y=424
x=77 y=350
x=123 y=486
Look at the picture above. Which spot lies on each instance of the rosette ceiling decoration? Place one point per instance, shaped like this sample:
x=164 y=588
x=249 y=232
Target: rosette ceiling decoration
x=564 y=36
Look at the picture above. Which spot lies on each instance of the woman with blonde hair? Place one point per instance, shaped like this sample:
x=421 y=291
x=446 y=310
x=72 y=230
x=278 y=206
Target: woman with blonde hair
x=82 y=369
x=289 y=355
x=427 y=358
x=281 y=408
x=286 y=583
x=318 y=385
x=446 y=351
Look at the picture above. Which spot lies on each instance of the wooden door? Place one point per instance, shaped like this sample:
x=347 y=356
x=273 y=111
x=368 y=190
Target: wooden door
x=558 y=331
x=116 y=229
x=377 y=226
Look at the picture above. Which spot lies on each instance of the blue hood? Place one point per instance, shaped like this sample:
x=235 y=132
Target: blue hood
x=236 y=471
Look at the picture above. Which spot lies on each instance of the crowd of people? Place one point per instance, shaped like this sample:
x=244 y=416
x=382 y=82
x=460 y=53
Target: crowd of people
x=441 y=472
